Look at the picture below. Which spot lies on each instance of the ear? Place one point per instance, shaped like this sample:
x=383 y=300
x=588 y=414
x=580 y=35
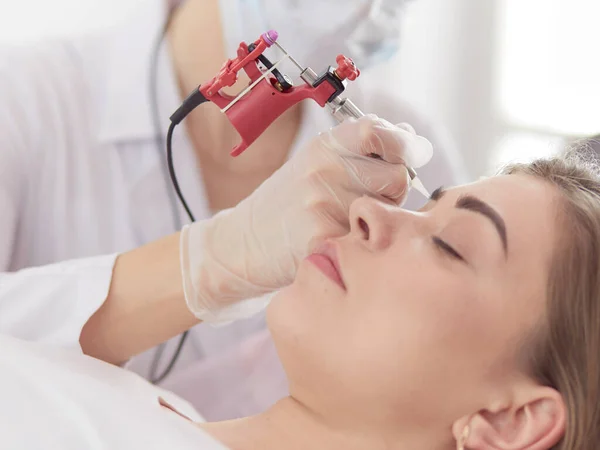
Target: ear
x=534 y=421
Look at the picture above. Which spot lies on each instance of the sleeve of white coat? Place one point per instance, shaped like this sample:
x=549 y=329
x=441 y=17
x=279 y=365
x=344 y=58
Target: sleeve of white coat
x=8 y=211
x=446 y=167
x=15 y=141
x=51 y=304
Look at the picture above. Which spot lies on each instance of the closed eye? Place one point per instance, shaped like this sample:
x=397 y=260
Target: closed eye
x=442 y=245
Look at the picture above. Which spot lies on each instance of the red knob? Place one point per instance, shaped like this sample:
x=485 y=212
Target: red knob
x=346 y=68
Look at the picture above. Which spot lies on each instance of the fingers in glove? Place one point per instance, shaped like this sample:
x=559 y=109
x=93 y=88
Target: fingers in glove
x=419 y=150
x=406 y=126
x=379 y=179
x=398 y=144
x=373 y=136
x=367 y=136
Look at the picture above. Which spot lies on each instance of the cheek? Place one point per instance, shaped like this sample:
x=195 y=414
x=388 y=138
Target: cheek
x=502 y=317
x=416 y=299
x=415 y=316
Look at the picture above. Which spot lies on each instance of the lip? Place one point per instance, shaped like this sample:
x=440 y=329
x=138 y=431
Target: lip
x=326 y=260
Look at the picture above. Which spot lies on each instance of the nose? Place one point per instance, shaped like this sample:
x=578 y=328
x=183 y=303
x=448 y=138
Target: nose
x=373 y=222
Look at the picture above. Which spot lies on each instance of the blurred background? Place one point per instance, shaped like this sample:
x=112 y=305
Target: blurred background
x=506 y=79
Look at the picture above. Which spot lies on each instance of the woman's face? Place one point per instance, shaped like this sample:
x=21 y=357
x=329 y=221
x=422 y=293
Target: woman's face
x=433 y=305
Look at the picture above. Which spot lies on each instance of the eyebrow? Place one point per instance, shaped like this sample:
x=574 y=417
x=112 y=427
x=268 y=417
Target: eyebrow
x=471 y=203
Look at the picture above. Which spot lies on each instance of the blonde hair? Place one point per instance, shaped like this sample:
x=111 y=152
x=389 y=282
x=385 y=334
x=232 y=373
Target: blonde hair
x=566 y=354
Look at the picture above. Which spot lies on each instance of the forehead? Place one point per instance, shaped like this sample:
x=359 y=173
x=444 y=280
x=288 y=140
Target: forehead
x=528 y=207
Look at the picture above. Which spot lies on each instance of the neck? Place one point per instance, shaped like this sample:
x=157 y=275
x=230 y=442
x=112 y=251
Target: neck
x=292 y=425
x=197 y=47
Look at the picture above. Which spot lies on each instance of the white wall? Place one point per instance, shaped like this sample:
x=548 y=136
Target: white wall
x=445 y=69
x=510 y=79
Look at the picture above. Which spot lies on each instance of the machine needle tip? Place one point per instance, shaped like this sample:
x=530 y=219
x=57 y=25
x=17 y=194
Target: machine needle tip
x=420 y=187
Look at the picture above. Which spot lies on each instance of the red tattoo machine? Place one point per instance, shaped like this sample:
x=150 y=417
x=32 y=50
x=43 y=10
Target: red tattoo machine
x=269 y=94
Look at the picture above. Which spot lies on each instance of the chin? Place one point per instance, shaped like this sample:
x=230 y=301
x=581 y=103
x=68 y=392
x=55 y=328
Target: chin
x=307 y=353
x=302 y=322
x=301 y=305
x=284 y=320
x=281 y=311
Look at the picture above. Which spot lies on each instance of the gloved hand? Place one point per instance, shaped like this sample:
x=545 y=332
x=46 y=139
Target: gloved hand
x=255 y=248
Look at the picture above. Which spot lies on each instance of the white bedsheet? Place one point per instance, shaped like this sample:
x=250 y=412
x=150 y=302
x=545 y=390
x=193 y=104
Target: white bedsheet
x=60 y=399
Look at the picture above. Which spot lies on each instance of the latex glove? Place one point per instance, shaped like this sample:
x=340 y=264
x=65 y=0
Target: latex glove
x=256 y=247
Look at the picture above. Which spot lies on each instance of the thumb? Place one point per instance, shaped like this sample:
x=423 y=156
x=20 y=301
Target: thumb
x=418 y=151
x=406 y=126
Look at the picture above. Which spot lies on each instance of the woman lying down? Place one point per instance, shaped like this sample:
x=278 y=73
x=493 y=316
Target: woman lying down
x=473 y=323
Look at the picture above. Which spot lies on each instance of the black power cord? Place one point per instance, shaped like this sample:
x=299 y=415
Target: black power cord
x=195 y=99
x=172 y=171
x=153 y=86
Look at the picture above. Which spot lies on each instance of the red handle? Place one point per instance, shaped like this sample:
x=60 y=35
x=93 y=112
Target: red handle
x=252 y=114
x=346 y=68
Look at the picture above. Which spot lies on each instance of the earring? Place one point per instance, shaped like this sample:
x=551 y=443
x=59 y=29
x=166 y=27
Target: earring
x=463 y=438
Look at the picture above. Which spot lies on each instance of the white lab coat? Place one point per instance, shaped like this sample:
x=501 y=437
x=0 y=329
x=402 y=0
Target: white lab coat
x=81 y=174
